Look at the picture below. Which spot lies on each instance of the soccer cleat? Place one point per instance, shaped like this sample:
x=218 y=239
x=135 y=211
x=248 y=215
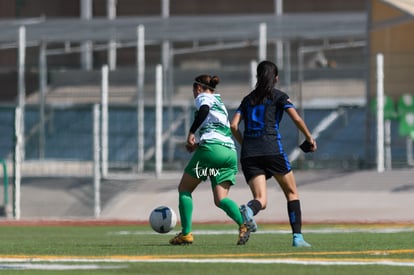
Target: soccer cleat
x=298 y=241
x=244 y=234
x=181 y=239
x=247 y=214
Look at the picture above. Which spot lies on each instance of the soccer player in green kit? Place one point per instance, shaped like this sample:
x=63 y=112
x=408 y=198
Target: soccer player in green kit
x=214 y=157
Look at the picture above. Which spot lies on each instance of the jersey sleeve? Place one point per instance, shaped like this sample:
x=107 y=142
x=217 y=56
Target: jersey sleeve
x=284 y=102
x=200 y=116
x=242 y=106
x=203 y=100
x=239 y=110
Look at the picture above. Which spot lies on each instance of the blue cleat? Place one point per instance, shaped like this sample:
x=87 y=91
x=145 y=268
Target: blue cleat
x=298 y=241
x=247 y=214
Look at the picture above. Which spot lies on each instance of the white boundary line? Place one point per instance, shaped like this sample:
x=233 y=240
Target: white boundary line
x=12 y=262
x=314 y=231
x=31 y=266
x=9 y=262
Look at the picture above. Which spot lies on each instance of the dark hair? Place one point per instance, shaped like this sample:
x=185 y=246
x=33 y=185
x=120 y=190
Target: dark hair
x=266 y=80
x=207 y=81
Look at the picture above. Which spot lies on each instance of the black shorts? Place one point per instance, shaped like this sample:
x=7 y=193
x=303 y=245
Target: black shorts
x=265 y=165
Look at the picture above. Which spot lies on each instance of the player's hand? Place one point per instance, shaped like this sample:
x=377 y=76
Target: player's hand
x=308 y=146
x=313 y=145
x=191 y=144
x=191 y=147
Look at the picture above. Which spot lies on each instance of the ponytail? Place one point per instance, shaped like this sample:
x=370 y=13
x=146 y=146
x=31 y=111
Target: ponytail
x=266 y=79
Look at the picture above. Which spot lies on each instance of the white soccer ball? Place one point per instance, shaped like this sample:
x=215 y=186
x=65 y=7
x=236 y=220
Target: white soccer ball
x=163 y=219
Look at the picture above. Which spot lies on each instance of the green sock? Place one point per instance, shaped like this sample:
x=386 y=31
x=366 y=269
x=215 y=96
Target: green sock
x=185 y=206
x=232 y=210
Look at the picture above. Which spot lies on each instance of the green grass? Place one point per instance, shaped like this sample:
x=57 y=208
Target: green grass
x=119 y=248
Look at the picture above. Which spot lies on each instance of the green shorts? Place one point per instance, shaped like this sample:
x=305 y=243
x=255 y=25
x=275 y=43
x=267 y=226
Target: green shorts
x=214 y=161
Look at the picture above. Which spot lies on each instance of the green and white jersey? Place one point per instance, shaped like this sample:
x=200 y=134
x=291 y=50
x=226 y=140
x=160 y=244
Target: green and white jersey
x=216 y=127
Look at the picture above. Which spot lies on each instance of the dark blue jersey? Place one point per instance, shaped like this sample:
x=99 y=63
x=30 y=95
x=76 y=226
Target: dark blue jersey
x=261 y=124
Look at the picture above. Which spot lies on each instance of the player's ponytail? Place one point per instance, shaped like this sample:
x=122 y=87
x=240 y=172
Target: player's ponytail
x=214 y=80
x=266 y=79
x=207 y=81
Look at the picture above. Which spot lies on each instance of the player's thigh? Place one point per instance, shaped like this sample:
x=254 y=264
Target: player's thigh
x=196 y=166
x=188 y=183
x=224 y=161
x=252 y=167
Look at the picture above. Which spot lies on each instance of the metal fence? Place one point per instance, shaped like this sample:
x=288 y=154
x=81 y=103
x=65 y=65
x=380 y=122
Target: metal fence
x=145 y=109
x=325 y=80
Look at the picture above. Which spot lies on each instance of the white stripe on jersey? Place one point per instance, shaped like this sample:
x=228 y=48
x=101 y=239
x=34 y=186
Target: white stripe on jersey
x=216 y=121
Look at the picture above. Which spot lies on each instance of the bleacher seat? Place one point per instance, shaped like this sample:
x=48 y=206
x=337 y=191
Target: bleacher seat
x=406 y=125
x=389 y=107
x=406 y=115
x=405 y=104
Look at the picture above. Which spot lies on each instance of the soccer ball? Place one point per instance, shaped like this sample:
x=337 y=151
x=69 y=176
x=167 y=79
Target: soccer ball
x=163 y=219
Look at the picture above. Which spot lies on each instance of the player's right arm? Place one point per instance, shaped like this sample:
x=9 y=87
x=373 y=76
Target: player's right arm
x=234 y=126
x=300 y=124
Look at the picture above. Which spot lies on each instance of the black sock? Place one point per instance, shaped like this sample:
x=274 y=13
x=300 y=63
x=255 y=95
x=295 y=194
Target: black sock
x=295 y=216
x=255 y=206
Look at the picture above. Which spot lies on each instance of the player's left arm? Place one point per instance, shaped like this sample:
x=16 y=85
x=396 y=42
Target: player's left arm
x=301 y=125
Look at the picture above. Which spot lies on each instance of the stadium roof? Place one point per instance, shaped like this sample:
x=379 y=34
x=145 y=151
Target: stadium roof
x=188 y=28
x=406 y=7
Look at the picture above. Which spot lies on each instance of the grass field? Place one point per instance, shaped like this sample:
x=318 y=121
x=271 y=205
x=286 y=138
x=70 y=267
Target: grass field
x=135 y=249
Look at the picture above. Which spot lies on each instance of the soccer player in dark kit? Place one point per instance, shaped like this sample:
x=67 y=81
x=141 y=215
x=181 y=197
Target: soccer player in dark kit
x=262 y=154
